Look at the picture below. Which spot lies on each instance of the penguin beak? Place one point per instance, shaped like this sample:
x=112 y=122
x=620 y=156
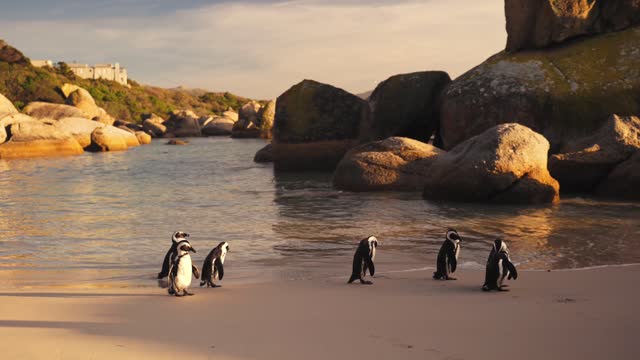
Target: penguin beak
x=192 y=249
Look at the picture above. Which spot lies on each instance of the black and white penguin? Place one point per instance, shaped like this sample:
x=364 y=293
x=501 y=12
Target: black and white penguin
x=182 y=269
x=363 y=260
x=172 y=253
x=448 y=256
x=499 y=267
x=213 y=268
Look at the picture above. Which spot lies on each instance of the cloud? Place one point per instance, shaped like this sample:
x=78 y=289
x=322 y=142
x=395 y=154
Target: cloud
x=260 y=48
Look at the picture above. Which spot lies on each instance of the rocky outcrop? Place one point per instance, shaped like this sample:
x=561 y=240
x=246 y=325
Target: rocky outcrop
x=11 y=55
x=183 y=123
x=505 y=164
x=8 y=119
x=396 y=163
x=540 y=23
x=264 y=155
x=105 y=119
x=43 y=110
x=154 y=129
x=624 y=181
x=36 y=139
x=79 y=128
x=585 y=163
x=6 y=106
x=218 y=126
x=315 y=125
x=266 y=116
x=405 y=106
x=563 y=93
x=81 y=99
x=66 y=89
x=231 y=115
x=248 y=124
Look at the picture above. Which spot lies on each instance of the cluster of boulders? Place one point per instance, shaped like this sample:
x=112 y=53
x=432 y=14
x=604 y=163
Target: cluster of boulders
x=45 y=129
x=252 y=121
x=493 y=133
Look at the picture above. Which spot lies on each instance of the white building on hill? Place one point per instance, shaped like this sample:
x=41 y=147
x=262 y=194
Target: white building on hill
x=100 y=71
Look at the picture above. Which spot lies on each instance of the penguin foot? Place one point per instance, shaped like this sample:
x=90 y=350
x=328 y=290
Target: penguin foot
x=485 y=288
x=450 y=278
x=366 y=282
x=171 y=291
x=187 y=293
x=178 y=294
x=502 y=288
x=215 y=286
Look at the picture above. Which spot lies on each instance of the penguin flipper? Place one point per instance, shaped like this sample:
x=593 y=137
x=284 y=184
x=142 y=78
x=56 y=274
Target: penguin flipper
x=453 y=262
x=369 y=264
x=195 y=271
x=166 y=263
x=219 y=268
x=513 y=273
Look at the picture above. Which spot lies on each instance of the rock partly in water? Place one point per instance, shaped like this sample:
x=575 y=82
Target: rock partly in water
x=564 y=93
x=406 y=106
x=505 y=164
x=6 y=106
x=585 y=163
x=624 y=181
x=248 y=124
x=266 y=116
x=107 y=138
x=177 y=142
x=396 y=163
x=43 y=110
x=81 y=99
x=315 y=125
x=183 y=123
x=155 y=129
x=219 y=126
x=264 y=155
x=143 y=137
x=540 y=23
x=36 y=139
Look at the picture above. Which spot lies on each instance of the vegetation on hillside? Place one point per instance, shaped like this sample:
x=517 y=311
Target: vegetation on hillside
x=23 y=83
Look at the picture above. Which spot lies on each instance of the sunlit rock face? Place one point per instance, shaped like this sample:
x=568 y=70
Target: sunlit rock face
x=541 y=23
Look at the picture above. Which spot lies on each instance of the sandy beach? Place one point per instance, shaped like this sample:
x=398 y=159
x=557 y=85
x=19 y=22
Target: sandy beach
x=580 y=314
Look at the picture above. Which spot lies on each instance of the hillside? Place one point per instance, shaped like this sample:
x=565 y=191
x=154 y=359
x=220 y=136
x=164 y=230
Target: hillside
x=23 y=83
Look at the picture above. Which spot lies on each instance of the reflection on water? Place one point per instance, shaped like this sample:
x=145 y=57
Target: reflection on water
x=109 y=217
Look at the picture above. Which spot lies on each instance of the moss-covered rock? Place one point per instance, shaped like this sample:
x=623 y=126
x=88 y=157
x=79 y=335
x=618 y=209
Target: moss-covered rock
x=315 y=124
x=405 y=106
x=11 y=55
x=563 y=93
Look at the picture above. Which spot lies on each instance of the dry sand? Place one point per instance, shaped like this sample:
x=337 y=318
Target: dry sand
x=585 y=314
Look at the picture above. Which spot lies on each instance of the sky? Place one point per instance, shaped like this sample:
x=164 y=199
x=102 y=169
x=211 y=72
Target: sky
x=259 y=48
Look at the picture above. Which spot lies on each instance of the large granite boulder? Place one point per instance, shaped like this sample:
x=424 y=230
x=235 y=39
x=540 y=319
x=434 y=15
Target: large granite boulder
x=264 y=155
x=143 y=137
x=248 y=124
x=79 y=128
x=81 y=99
x=540 y=23
x=563 y=93
x=8 y=119
x=406 y=106
x=66 y=89
x=315 y=125
x=218 y=126
x=36 y=139
x=624 y=181
x=505 y=164
x=183 y=123
x=266 y=116
x=11 y=55
x=395 y=163
x=108 y=138
x=6 y=106
x=43 y=110
x=153 y=128
x=585 y=163
x=105 y=119
x=231 y=115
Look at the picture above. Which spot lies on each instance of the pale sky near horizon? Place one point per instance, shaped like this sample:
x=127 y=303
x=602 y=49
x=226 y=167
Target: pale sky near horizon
x=259 y=48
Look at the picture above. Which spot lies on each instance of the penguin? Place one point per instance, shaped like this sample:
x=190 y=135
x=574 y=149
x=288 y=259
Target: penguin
x=212 y=268
x=172 y=253
x=182 y=269
x=499 y=267
x=448 y=256
x=363 y=260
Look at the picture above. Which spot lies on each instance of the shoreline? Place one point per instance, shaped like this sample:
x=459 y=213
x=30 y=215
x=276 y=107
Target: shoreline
x=403 y=315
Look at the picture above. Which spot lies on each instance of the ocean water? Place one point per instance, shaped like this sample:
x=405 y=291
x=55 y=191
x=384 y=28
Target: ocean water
x=107 y=219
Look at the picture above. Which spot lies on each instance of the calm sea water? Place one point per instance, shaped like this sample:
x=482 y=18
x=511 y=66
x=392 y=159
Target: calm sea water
x=106 y=220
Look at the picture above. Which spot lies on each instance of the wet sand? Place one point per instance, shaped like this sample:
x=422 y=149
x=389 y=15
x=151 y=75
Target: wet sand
x=583 y=314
